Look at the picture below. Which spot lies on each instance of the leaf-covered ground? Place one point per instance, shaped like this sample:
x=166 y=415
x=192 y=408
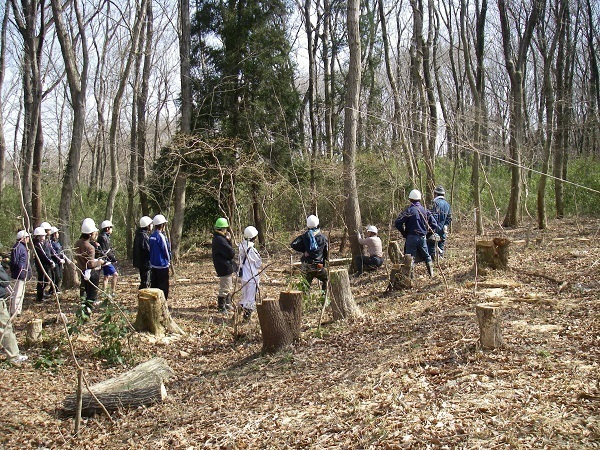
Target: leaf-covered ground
x=409 y=375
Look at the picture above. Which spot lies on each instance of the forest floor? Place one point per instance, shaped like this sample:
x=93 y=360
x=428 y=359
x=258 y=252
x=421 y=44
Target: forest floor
x=410 y=374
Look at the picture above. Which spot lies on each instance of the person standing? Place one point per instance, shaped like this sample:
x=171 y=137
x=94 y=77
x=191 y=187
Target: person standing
x=88 y=264
x=414 y=223
x=141 y=251
x=315 y=252
x=20 y=270
x=48 y=249
x=109 y=270
x=43 y=263
x=374 y=249
x=249 y=264
x=442 y=212
x=59 y=260
x=8 y=342
x=223 y=256
x=160 y=256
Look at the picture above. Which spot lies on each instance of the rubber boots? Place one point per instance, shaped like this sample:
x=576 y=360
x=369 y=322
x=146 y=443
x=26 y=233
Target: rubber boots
x=430 y=268
x=228 y=305
x=221 y=304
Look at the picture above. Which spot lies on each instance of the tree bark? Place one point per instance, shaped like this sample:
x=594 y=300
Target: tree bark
x=34 y=331
x=401 y=275
x=280 y=321
x=492 y=254
x=395 y=253
x=2 y=74
x=490 y=332
x=153 y=314
x=343 y=305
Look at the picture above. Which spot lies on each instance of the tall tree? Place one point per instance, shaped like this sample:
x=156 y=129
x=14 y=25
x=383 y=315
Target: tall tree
x=5 y=17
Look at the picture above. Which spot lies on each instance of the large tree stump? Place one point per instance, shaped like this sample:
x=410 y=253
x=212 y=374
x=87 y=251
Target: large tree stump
x=401 y=275
x=34 y=331
x=142 y=385
x=153 y=313
x=488 y=317
x=492 y=254
x=395 y=252
x=342 y=300
x=280 y=320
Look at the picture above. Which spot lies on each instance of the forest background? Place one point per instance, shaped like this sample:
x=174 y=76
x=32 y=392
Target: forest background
x=256 y=110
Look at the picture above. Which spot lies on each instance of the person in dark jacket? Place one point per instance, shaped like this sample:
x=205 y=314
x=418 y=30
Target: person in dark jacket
x=20 y=270
x=414 y=223
x=43 y=262
x=441 y=211
x=88 y=262
x=223 y=256
x=160 y=255
x=108 y=253
x=58 y=257
x=141 y=251
x=315 y=252
x=9 y=340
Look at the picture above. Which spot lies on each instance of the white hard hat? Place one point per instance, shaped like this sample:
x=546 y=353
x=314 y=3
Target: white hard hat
x=145 y=221
x=45 y=225
x=106 y=224
x=39 y=231
x=415 y=194
x=312 y=221
x=21 y=234
x=250 y=232
x=372 y=229
x=159 y=219
x=88 y=226
x=53 y=230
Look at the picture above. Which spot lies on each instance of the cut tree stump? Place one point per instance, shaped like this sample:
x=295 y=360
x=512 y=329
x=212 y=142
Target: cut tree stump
x=142 y=385
x=343 y=305
x=401 y=275
x=492 y=254
x=153 y=313
x=34 y=331
x=280 y=320
x=395 y=252
x=490 y=332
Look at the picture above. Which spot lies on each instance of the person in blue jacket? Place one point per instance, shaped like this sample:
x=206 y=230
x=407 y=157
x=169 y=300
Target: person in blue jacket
x=415 y=223
x=20 y=270
x=441 y=211
x=160 y=256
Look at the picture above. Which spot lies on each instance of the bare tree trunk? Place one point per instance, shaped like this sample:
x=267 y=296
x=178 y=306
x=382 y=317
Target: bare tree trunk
x=327 y=79
x=352 y=210
x=2 y=73
x=432 y=120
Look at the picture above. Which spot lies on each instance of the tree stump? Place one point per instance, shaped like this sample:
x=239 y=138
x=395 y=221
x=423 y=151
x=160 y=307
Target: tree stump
x=34 y=331
x=488 y=317
x=342 y=300
x=395 y=252
x=492 y=254
x=401 y=274
x=142 y=385
x=153 y=313
x=280 y=320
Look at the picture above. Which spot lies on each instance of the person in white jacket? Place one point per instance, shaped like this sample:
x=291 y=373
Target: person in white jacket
x=249 y=266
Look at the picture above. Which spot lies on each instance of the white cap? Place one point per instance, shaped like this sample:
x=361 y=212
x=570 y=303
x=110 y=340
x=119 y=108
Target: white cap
x=312 y=221
x=45 y=225
x=21 y=234
x=39 y=231
x=415 y=194
x=106 y=224
x=53 y=230
x=145 y=221
x=88 y=226
x=250 y=232
x=159 y=219
x=372 y=229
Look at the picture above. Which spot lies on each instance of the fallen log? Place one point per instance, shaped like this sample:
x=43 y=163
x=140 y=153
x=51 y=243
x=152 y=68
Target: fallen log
x=141 y=386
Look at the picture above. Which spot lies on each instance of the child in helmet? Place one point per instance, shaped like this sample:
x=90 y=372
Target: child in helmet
x=249 y=263
x=108 y=269
x=222 y=256
x=58 y=257
x=141 y=251
x=20 y=270
x=315 y=252
x=87 y=263
x=43 y=262
x=160 y=255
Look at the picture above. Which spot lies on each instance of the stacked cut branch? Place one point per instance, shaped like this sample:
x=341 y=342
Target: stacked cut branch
x=280 y=320
x=141 y=386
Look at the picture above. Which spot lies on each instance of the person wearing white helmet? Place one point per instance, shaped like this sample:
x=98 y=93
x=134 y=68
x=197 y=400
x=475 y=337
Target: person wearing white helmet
x=249 y=264
x=141 y=251
x=58 y=257
x=441 y=210
x=160 y=256
x=48 y=249
x=43 y=263
x=314 y=247
x=8 y=342
x=223 y=256
x=374 y=256
x=414 y=223
x=20 y=270
x=109 y=269
x=88 y=263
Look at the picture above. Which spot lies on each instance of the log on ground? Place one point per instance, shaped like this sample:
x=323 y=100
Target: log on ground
x=280 y=320
x=141 y=386
x=343 y=305
x=153 y=313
